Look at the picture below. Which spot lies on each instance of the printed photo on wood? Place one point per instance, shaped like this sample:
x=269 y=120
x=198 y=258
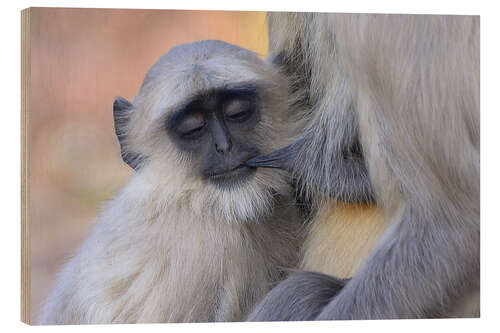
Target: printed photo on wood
x=221 y=166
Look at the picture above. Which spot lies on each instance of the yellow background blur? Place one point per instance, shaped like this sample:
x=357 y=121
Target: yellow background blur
x=80 y=60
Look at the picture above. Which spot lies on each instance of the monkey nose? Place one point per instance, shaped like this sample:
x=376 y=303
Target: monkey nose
x=223 y=147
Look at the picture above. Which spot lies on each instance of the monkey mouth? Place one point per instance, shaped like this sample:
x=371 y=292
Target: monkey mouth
x=232 y=172
x=232 y=176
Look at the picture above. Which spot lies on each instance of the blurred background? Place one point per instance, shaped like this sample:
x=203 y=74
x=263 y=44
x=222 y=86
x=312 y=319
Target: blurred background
x=81 y=59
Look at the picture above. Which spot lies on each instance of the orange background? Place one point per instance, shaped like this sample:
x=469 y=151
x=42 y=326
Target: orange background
x=80 y=60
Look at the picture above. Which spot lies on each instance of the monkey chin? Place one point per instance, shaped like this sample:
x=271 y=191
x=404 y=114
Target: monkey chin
x=249 y=197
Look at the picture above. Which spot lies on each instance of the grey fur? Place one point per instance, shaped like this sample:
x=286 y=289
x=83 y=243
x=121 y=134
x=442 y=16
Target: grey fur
x=300 y=297
x=409 y=85
x=329 y=156
x=172 y=247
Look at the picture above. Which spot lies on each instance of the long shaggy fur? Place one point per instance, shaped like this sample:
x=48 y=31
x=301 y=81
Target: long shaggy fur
x=171 y=247
x=406 y=87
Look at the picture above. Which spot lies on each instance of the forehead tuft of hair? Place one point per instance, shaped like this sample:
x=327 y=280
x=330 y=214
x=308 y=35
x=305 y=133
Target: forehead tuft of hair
x=207 y=57
x=190 y=69
x=204 y=50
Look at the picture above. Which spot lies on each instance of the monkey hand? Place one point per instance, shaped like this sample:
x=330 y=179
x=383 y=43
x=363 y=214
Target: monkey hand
x=283 y=158
x=300 y=297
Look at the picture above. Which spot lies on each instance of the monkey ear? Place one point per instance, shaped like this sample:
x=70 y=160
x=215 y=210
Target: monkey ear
x=122 y=110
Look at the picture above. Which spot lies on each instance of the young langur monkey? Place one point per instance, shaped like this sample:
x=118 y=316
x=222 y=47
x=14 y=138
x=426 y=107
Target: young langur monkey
x=196 y=235
x=390 y=156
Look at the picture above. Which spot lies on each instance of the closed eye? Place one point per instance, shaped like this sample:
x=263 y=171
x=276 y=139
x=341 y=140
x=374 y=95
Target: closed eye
x=238 y=110
x=194 y=132
x=192 y=126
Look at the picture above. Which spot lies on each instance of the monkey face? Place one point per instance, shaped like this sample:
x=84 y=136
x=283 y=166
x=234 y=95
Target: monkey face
x=204 y=110
x=217 y=127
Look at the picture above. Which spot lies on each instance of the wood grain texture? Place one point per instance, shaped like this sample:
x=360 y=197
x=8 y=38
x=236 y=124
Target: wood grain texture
x=25 y=106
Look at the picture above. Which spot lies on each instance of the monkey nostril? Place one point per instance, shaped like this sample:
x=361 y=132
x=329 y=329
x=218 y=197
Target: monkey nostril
x=223 y=148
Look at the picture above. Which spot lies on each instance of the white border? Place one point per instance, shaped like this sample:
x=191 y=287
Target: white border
x=490 y=110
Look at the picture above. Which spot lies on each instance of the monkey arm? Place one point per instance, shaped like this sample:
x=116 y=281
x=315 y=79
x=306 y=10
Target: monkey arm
x=300 y=297
x=338 y=171
x=394 y=283
x=426 y=261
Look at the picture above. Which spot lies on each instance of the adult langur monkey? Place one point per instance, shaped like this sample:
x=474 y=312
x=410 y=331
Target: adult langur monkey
x=391 y=104
x=196 y=235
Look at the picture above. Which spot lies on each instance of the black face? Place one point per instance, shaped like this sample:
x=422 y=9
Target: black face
x=217 y=127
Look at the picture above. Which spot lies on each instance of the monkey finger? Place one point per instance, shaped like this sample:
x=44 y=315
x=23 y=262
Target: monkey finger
x=279 y=159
